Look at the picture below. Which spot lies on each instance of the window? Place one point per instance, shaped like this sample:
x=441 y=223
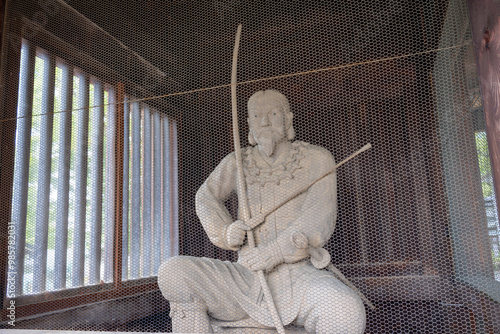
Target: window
x=71 y=144
x=489 y=199
x=150 y=208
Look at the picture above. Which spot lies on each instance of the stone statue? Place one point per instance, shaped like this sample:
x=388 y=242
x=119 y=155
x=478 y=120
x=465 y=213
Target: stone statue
x=275 y=166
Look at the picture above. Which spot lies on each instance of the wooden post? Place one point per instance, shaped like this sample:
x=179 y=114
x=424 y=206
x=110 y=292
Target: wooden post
x=9 y=86
x=485 y=23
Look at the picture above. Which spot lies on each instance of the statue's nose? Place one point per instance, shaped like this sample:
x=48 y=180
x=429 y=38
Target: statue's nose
x=265 y=121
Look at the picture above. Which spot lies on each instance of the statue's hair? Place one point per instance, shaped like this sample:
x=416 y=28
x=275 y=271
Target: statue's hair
x=282 y=102
x=277 y=96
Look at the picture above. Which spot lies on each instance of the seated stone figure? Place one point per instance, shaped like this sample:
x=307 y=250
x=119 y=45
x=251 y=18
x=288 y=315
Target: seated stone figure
x=275 y=166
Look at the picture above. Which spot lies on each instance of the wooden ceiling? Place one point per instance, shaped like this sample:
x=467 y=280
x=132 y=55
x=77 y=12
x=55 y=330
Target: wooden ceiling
x=192 y=41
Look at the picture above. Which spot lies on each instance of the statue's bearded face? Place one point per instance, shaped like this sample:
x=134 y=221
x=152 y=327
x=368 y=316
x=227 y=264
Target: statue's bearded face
x=266 y=120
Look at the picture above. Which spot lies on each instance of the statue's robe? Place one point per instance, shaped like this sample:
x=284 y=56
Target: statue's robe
x=312 y=213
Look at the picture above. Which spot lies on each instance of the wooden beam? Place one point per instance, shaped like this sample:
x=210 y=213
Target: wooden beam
x=79 y=299
x=397 y=288
x=112 y=315
x=86 y=59
x=77 y=36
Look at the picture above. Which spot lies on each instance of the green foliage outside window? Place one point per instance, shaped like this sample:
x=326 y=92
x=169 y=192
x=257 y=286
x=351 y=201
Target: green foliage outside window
x=36 y=138
x=483 y=157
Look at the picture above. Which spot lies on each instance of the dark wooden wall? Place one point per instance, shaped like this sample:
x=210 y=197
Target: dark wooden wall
x=389 y=198
x=10 y=51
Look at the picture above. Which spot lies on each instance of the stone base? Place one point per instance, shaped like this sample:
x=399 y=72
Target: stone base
x=255 y=330
x=248 y=326
x=43 y=331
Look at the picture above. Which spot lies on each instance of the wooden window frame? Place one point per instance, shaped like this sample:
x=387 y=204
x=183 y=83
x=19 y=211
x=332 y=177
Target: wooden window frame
x=123 y=84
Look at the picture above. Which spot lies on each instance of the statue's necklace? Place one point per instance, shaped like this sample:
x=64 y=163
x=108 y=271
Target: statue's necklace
x=273 y=174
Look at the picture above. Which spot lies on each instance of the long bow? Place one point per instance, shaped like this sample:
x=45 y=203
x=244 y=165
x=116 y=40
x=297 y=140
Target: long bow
x=241 y=188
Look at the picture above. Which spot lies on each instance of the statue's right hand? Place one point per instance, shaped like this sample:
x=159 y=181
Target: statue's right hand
x=235 y=233
x=256 y=221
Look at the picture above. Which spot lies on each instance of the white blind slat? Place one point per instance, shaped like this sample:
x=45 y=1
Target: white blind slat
x=166 y=190
x=175 y=183
x=96 y=183
x=135 y=237
x=44 y=168
x=147 y=197
x=22 y=155
x=157 y=227
x=126 y=185
x=63 y=178
x=110 y=187
x=81 y=168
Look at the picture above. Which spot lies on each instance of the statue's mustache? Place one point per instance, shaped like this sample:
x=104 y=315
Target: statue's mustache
x=265 y=132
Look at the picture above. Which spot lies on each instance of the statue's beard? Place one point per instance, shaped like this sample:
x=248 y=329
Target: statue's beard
x=268 y=140
x=267 y=144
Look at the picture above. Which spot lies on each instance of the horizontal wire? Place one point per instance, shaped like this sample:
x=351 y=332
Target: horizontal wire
x=332 y=68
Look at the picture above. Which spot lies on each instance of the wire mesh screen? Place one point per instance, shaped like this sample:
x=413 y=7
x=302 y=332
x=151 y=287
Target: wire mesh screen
x=117 y=157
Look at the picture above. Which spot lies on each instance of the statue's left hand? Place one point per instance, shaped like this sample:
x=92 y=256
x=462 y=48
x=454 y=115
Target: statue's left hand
x=259 y=258
x=267 y=256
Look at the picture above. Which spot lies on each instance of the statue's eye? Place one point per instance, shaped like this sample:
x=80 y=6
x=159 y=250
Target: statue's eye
x=274 y=113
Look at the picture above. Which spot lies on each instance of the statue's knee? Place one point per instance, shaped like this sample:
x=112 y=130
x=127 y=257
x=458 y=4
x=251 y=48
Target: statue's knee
x=173 y=264
x=345 y=303
x=352 y=306
x=335 y=309
x=171 y=278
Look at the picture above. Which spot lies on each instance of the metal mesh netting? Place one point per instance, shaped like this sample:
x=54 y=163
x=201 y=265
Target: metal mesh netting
x=116 y=113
